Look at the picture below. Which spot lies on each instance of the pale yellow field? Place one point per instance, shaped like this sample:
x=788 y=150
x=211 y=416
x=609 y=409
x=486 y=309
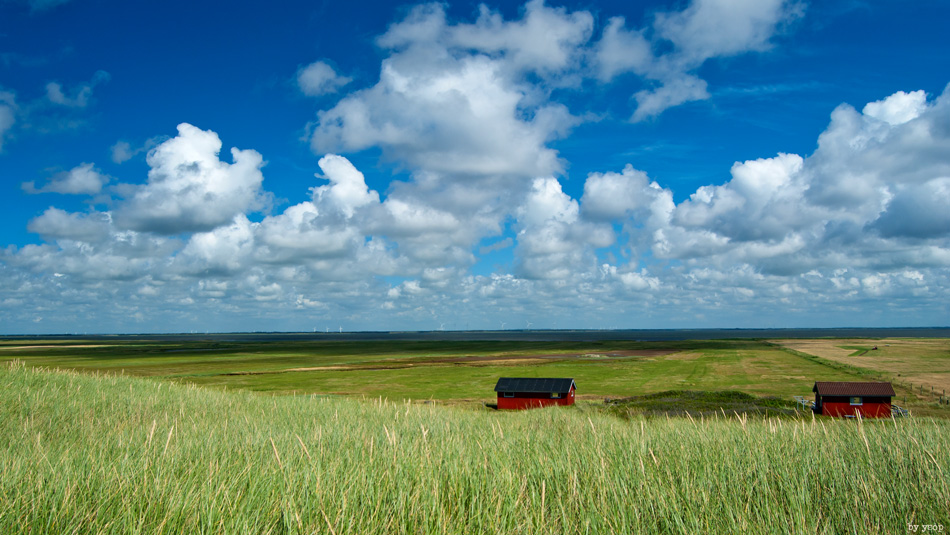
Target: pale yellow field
x=920 y=362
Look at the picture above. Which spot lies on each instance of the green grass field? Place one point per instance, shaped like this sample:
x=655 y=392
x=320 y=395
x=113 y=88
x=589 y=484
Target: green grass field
x=920 y=366
x=85 y=453
x=466 y=372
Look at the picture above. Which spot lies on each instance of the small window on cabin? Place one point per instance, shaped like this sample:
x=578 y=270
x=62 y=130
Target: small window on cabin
x=856 y=400
x=509 y=394
x=555 y=395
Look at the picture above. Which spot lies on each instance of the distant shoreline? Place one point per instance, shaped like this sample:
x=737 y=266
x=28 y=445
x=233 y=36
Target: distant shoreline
x=540 y=335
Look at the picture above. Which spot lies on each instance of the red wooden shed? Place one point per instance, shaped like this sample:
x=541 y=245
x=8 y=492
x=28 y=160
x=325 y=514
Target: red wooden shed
x=870 y=400
x=524 y=393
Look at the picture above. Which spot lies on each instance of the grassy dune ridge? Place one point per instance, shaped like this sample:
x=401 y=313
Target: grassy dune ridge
x=81 y=453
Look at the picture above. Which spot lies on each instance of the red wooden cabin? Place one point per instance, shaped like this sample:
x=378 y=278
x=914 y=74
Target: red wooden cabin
x=870 y=400
x=526 y=393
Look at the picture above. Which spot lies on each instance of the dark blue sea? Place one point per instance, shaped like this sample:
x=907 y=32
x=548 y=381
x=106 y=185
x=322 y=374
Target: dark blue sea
x=645 y=335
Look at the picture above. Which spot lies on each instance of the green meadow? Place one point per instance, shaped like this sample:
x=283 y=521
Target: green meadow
x=94 y=453
x=465 y=372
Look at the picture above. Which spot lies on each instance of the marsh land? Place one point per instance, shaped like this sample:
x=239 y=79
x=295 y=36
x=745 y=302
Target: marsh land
x=465 y=371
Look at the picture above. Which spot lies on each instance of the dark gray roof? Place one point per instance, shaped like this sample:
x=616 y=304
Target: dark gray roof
x=525 y=384
x=853 y=389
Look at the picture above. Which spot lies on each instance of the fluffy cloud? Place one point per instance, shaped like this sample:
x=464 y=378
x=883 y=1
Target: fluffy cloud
x=302 y=232
x=471 y=99
x=56 y=224
x=917 y=211
x=877 y=179
x=612 y=196
x=786 y=231
x=465 y=108
x=327 y=237
x=897 y=108
x=189 y=189
x=704 y=30
x=78 y=97
x=674 y=91
x=462 y=119
x=553 y=242
x=347 y=190
x=83 y=179
x=220 y=252
x=319 y=78
x=620 y=50
x=642 y=206
x=759 y=203
x=546 y=41
x=711 y=28
x=451 y=99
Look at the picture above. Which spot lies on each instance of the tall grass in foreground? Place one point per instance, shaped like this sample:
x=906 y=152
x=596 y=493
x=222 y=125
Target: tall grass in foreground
x=123 y=455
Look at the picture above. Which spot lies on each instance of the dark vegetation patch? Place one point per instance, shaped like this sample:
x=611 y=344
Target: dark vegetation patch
x=694 y=403
x=860 y=351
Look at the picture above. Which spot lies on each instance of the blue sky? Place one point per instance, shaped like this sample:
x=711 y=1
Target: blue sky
x=370 y=166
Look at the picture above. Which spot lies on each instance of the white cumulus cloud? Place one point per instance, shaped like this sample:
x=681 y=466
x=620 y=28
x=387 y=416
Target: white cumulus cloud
x=545 y=40
x=319 y=78
x=877 y=179
x=897 y=108
x=711 y=28
x=56 y=224
x=83 y=179
x=347 y=190
x=189 y=189
x=553 y=242
x=451 y=98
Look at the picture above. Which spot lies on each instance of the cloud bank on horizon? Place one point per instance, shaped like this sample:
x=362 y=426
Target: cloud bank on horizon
x=471 y=113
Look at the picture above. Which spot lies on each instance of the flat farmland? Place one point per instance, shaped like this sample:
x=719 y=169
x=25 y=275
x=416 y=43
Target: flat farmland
x=921 y=362
x=466 y=372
